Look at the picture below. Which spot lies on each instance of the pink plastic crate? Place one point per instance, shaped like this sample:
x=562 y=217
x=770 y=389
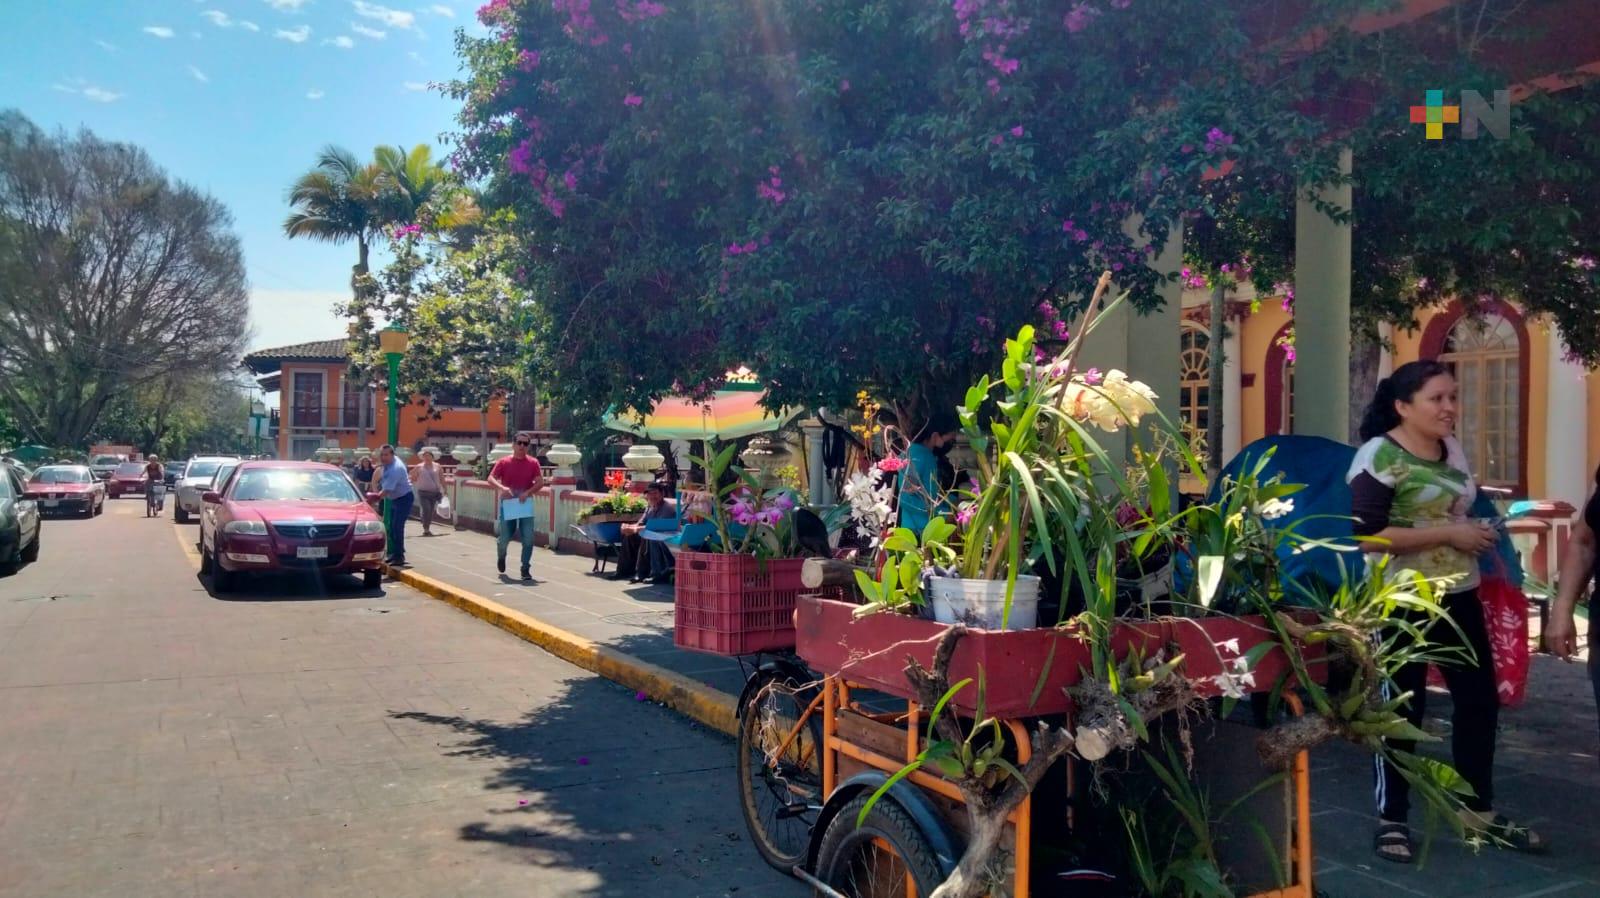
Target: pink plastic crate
x=735 y=604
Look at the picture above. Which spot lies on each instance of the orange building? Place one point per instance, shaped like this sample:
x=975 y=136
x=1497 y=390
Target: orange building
x=319 y=405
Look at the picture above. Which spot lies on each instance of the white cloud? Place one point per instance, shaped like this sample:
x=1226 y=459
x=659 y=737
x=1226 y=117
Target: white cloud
x=373 y=33
x=394 y=18
x=440 y=9
x=415 y=85
x=294 y=35
x=343 y=42
x=414 y=56
x=88 y=91
x=218 y=18
x=160 y=31
x=315 y=94
x=286 y=5
x=106 y=45
x=199 y=75
x=248 y=25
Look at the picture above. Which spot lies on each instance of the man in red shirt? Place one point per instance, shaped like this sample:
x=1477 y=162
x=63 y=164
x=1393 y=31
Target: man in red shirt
x=516 y=477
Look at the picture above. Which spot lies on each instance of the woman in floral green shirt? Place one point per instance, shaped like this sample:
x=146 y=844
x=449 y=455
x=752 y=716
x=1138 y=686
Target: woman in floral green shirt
x=1411 y=488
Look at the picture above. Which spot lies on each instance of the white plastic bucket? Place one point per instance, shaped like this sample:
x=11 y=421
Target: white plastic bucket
x=980 y=603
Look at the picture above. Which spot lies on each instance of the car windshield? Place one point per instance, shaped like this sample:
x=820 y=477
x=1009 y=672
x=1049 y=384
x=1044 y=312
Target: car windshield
x=278 y=484
x=202 y=468
x=130 y=469
x=61 y=475
x=223 y=470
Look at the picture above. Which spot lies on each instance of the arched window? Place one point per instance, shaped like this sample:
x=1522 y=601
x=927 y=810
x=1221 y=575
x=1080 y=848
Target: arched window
x=1486 y=354
x=1194 y=377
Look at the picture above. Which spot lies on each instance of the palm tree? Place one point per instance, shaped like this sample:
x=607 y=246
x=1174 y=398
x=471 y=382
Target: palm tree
x=411 y=182
x=339 y=200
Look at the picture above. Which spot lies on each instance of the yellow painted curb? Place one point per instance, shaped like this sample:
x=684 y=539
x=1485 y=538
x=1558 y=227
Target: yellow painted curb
x=691 y=698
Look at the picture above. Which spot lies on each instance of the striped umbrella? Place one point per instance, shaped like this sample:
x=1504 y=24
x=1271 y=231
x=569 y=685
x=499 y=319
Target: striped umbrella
x=728 y=414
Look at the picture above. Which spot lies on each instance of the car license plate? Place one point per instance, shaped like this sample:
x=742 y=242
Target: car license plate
x=311 y=552
x=51 y=503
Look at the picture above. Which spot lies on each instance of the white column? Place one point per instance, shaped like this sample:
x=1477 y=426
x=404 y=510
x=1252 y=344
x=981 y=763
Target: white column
x=816 y=471
x=1322 y=313
x=1566 y=437
x=1232 y=411
x=1385 y=354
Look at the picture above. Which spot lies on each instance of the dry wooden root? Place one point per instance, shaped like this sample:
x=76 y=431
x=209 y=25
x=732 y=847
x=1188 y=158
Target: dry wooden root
x=988 y=806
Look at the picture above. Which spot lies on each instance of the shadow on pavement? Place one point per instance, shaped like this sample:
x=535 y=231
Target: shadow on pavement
x=600 y=781
x=290 y=587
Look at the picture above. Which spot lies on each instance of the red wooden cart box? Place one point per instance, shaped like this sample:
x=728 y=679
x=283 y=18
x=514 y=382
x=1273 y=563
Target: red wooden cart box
x=872 y=651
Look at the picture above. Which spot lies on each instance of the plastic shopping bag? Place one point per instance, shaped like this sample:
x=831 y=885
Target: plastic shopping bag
x=443 y=508
x=1505 y=616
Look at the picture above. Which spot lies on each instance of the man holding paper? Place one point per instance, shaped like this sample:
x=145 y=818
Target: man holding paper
x=395 y=483
x=516 y=477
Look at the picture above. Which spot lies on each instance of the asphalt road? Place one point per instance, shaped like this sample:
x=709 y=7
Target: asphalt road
x=296 y=740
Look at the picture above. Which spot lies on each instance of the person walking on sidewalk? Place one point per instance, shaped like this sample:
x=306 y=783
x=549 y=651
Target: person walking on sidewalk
x=395 y=483
x=428 y=480
x=1411 y=489
x=515 y=477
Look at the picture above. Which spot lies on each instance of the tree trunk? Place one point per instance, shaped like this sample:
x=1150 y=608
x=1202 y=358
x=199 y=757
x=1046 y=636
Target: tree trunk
x=1365 y=352
x=483 y=431
x=1217 y=358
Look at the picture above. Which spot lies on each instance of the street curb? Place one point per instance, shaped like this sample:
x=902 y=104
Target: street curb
x=693 y=699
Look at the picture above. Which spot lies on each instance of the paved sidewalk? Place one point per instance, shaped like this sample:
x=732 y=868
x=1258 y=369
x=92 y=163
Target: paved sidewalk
x=1546 y=774
x=634 y=619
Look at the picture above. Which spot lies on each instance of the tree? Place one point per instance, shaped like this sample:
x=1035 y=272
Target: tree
x=179 y=415
x=466 y=327
x=846 y=196
x=338 y=201
x=111 y=277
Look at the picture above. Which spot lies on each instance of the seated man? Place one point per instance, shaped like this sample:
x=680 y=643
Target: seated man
x=640 y=559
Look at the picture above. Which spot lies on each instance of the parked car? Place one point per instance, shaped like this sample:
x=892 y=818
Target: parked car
x=219 y=482
x=194 y=481
x=128 y=478
x=104 y=466
x=67 y=488
x=289 y=516
x=19 y=523
x=172 y=472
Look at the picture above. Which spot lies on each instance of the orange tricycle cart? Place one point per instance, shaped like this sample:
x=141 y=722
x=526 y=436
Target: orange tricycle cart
x=819 y=737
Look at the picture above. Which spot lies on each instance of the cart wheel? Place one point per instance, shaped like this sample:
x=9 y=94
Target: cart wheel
x=780 y=800
x=887 y=856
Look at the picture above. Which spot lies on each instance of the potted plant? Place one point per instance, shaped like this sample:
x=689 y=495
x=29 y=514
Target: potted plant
x=611 y=511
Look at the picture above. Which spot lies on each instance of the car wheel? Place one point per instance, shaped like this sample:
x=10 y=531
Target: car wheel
x=179 y=515
x=371 y=579
x=100 y=507
x=31 y=554
x=222 y=579
x=206 y=564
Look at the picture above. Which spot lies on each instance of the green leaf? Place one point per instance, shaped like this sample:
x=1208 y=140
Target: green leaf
x=883 y=790
x=1208 y=576
x=901 y=539
x=938 y=708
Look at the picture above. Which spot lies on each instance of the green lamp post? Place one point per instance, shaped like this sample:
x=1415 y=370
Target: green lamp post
x=393 y=341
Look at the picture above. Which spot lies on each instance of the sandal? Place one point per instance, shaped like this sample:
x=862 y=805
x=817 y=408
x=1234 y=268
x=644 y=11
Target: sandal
x=1502 y=832
x=1393 y=842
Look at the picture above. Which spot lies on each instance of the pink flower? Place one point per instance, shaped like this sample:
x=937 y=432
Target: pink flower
x=844 y=85
x=632 y=100
x=528 y=60
x=892 y=464
x=770 y=191
x=749 y=246
x=1079 y=17
x=993 y=84
x=583 y=762
x=1080 y=235
x=640 y=696
x=1060 y=329
x=997 y=140
x=1016 y=131
x=1093 y=377
x=571 y=180
x=1067 y=225
x=964 y=514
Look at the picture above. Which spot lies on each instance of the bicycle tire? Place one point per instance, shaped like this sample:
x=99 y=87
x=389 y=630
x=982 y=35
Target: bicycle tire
x=873 y=859
x=780 y=804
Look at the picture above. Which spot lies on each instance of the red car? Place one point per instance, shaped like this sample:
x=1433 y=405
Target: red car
x=275 y=516
x=127 y=478
x=64 y=488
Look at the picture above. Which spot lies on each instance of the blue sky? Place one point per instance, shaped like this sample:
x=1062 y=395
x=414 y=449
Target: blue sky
x=236 y=97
